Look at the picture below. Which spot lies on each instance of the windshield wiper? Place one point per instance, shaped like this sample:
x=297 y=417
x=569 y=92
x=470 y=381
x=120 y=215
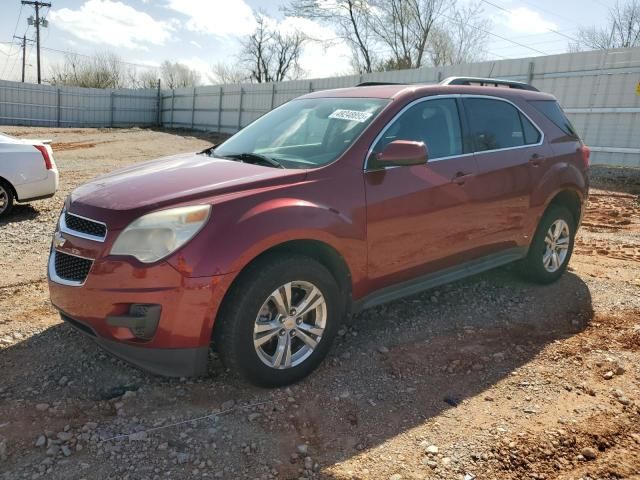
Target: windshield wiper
x=254 y=158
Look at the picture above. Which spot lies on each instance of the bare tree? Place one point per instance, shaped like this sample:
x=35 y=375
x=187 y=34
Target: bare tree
x=147 y=78
x=178 y=75
x=272 y=56
x=404 y=27
x=350 y=18
x=622 y=31
x=460 y=38
x=102 y=70
x=222 y=73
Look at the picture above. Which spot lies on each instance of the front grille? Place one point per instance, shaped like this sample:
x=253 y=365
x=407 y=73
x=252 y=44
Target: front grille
x=72 y=268
x=84 y=225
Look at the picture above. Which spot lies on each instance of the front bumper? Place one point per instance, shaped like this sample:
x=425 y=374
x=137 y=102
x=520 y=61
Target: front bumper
x=169 y=362
x=180 y=343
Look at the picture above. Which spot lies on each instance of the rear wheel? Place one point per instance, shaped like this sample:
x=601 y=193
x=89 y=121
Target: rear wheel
x=6 y=198
x=551 y=246
x=279 y=320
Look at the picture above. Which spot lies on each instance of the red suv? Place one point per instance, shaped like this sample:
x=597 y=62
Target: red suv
x=334 y=202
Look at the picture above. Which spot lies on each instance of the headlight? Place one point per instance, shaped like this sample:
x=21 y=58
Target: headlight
x=158 y=234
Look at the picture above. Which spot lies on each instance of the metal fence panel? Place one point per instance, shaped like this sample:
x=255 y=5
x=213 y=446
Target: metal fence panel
x=597 y=90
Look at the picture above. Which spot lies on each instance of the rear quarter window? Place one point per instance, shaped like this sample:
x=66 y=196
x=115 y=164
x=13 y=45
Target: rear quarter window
x=551 y=109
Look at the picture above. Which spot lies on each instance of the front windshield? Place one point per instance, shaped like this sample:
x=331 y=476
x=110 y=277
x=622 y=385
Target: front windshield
x=305 y=133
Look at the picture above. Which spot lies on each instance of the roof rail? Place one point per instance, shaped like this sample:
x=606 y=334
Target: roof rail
x=373 y=84
x=491 y=82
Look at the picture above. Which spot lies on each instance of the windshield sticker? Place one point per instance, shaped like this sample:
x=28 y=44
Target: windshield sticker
x=351 y=115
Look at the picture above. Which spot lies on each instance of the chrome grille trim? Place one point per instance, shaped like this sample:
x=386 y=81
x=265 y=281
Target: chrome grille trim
x=87 y=236
x=53 y=275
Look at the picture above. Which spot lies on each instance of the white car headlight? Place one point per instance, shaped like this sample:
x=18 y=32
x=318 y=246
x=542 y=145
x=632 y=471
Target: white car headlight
x=158 y=234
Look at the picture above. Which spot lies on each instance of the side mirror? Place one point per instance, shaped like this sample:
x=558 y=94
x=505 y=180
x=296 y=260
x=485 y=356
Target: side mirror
x=404 y=152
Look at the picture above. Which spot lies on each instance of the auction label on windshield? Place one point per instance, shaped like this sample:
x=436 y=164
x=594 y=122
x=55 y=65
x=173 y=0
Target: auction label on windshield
x=351 y=115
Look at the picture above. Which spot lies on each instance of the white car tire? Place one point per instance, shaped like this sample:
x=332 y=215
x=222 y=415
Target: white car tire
x=6 y=198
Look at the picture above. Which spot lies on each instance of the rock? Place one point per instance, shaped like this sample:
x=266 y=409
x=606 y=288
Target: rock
x=138 y=436
x=52 y=451
x=3 y=449
x=308 y=463
x=63 y=381
x=395 y=476
x=608 y=375
x=432 y=450
x=620 y=370
x=382 y=349
x=302 y=449
x=446 y=461
x=254 y=416
x=589 y=453
x=228 y=405
x=182 y=457
x=66 y=451
x=41 y=441
x=42 y=407
x=65 y=436
x=498 y=356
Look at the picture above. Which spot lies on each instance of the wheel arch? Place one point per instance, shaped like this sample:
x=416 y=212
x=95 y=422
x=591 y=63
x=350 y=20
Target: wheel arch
x=318 y=250
x=11 y=187
x=571 y=199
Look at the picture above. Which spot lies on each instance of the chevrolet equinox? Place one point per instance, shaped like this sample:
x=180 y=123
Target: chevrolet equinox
x=334 y=202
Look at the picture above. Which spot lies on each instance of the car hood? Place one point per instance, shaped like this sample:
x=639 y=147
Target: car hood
x=171 y=181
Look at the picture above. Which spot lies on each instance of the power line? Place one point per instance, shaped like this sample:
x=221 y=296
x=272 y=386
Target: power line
x=549 y=29
x=15 y=30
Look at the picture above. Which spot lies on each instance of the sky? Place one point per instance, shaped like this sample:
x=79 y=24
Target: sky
x=200 y=33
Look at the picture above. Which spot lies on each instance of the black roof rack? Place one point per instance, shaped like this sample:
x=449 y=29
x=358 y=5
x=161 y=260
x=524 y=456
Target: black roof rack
x=374 y=84
x=491 y=82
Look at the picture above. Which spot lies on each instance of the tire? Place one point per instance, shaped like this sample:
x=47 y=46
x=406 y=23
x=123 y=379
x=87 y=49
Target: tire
x=6 y=198
x=538 y=266
x=258 y=300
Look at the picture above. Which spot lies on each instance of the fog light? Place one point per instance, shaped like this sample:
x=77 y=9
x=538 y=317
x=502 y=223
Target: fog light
x=142 y=320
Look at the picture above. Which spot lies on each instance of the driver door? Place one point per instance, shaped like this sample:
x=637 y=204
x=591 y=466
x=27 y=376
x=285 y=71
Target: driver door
x=421 y=218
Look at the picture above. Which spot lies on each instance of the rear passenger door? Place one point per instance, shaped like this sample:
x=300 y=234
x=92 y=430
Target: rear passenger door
x=509 y=150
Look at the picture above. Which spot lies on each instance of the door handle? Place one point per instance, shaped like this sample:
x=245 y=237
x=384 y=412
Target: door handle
x=536 y=160
x=461 y=178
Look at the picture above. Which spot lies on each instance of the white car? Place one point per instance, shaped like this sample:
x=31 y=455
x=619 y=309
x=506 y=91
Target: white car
x=27 y=171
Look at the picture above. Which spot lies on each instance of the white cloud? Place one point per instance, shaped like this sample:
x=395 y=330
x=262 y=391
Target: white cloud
x=195 y=44
x=523 y=20
x=112 y=23
x=234 y=17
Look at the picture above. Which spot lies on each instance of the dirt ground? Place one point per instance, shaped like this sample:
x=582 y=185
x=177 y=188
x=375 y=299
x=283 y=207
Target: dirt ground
x=487 y=378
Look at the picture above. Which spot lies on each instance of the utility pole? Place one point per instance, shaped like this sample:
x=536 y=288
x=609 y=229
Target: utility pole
x=36 y=4
x=24 y=53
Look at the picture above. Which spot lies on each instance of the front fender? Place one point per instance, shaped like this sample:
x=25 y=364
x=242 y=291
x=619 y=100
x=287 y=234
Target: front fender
x=239 y=232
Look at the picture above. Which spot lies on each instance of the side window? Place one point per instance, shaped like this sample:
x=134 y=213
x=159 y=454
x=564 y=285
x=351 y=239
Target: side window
x=531 y=133
x=553 y=112
x=434 y=122
x=496 y=124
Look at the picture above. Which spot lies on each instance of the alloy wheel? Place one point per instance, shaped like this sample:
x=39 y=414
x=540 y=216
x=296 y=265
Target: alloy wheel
x=290 y=325
x=557 y=242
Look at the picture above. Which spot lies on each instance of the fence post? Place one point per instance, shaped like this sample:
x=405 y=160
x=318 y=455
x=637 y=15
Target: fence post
x=273 y=94
x=193 y=107
x=220 y=111
x=58 y=107
x=530 y=74
x=173 y=98
x=111 y=109
x=159 y=106
x=310 y=87
x=240 y=111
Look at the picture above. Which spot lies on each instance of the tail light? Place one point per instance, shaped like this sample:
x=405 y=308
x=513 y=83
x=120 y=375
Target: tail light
x=585 y=153
x=45 y=155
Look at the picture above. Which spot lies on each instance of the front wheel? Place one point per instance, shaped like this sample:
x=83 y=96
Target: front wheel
x=279 y=320
x=551 y=247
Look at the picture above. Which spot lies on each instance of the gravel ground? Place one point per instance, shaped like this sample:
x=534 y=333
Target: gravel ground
x=485 y=378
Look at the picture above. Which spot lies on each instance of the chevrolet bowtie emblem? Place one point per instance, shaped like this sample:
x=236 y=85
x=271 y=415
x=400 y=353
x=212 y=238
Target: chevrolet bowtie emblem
x=58 y=241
